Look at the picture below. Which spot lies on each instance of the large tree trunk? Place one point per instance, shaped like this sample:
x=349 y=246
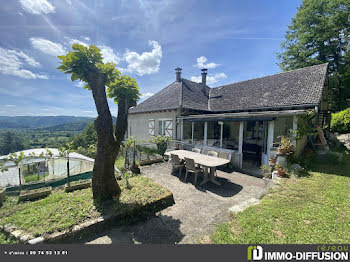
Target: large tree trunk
x=104 y=184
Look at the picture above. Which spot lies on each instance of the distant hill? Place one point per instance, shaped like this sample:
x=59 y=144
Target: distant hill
x=41 y=121
x=46 y=123
x=72 y=126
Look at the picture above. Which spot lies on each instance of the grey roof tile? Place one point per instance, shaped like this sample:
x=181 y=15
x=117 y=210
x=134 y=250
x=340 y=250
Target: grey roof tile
x=297 y=87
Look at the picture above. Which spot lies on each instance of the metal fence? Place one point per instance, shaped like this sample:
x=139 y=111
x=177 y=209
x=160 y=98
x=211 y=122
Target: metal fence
x=41 y=170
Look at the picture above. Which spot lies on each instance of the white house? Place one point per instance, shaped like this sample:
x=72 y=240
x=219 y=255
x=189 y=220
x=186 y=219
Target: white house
x=245 y=118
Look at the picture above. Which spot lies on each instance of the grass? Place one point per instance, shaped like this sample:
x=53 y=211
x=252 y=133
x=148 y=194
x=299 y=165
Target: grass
x=33 y=178
x=308 y=210
x=4 y=239
x=120 y=162
x=62 y=211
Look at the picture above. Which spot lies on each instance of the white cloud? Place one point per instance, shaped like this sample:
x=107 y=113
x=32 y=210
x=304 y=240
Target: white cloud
x=146 y=95
x=201 y=63
x=47 y=47
x=31 y=61
x=76 y=41
x=12 y=63
x=10 y=105
x=37 y=7
x=86 y=38
x=210 y=79
x=108 y=54
x=147 y=62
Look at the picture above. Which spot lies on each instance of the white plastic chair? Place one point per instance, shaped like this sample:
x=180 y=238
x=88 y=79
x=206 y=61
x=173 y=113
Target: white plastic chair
x=191 y=167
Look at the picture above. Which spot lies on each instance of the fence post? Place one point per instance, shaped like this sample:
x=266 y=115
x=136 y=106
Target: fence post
x=68 y=179
x=20 y=180
x=134 y=156
x=126 y=163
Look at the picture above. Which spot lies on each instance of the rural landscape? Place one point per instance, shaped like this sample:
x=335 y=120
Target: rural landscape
x=115 y=147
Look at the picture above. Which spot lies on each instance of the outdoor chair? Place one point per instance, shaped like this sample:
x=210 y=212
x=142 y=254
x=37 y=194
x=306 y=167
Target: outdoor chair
x=175 y=160
x=224 y=154
x=192 y=167
x=196 y=150
x=213 y=153
x=205 y=151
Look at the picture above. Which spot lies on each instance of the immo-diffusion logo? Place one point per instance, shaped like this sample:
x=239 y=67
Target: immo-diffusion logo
x=255 y=253
x=332 y=253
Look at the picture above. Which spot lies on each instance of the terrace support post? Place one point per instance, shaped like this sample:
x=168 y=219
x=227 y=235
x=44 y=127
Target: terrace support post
x=192 y=133
x=240 y=143
x=270 y=134
x=295 y=127
x=181 y=129
x=205 y=133
x=221 y=132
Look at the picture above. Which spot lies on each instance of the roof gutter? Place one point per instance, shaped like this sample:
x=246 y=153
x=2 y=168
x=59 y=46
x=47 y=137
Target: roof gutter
x=243 y=115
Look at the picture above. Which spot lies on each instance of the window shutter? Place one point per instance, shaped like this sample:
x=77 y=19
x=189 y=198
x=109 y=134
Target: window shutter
x=169 y=128
x=151 y=127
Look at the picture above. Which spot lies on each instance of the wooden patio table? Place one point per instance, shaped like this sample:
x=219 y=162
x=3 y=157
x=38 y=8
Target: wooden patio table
x=203 y=160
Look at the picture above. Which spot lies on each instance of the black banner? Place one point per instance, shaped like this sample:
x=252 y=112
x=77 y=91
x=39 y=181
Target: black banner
x=167 y=253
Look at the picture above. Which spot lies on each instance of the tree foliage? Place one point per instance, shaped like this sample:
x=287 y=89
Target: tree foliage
x=10 y=142
x=86 y=138
x=320 y=33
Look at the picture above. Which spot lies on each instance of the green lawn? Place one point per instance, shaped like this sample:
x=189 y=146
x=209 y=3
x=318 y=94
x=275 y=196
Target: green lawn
x=120 y=162
x=314 y=209
x=61 y=211
x=4 y=239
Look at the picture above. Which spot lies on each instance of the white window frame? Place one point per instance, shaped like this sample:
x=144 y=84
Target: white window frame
x=163 y=131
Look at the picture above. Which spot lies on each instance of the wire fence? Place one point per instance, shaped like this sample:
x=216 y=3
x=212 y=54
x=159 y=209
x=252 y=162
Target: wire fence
x=42 y=170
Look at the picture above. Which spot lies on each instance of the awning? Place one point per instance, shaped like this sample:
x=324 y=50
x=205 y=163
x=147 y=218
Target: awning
x=231 y=119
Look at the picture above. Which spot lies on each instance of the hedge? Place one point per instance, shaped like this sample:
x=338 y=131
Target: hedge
x=341 y=121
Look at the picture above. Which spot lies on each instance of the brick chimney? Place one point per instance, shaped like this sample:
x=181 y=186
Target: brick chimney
x=178 y=74
x=204 y=80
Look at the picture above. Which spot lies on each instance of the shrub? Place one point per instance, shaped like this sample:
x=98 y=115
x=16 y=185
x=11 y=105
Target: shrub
x=341 y=121
x=162 y=143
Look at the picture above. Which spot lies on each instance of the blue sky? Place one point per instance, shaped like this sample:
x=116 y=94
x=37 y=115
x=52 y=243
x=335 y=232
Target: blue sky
x=235 y=40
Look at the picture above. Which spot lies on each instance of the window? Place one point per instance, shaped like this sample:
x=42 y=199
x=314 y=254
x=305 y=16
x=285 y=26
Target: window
x=165 y=127
x=187 y=132
x=213 y=134
x=161 y=127
x=198 y=133
x=230 y=135
x=283 y=125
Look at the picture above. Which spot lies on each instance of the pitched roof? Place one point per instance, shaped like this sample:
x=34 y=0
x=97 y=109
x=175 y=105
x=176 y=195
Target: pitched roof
x=184 y=94
x=293 y=88
x=297 y=87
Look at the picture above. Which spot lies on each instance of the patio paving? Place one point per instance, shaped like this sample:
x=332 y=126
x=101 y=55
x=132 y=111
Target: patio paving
x=196 y=210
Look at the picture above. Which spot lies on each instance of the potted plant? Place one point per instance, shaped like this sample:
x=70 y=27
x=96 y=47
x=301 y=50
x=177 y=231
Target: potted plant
x=281 y=171
x=266 y=171
x=272 y=161
x=285 y=146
